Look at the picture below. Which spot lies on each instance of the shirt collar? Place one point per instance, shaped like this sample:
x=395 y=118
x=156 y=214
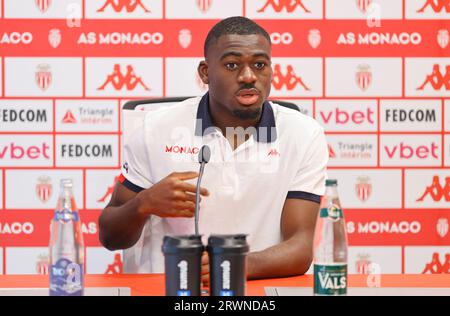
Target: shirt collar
x=265 y=130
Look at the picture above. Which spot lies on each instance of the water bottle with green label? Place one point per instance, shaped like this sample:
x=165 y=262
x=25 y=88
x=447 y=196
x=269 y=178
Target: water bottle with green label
x=330 y=245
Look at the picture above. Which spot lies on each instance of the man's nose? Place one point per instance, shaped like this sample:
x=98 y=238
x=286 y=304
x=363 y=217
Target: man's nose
x=247 y=75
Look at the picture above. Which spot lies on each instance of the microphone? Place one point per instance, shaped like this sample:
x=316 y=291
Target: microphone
x=203 y=157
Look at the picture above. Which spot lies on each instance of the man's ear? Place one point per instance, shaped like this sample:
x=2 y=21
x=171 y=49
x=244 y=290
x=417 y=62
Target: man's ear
x=203 y=71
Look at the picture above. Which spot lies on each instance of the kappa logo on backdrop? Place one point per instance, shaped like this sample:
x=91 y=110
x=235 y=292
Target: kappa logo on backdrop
x=436 y=191
x=363 y=263
x=44 y=188
x=364 y=77
x=363 y=5
x=436 y=266
x=129 y=81
x=127 y=5
x=43 y=76
x=436 y=79
x=204 y=5
x=290 y=80
x=363 y=188
x=43 y=5
x=116 y=267
x=289 y=5
x=436 y=5
x=42 y=264
x=109 y=190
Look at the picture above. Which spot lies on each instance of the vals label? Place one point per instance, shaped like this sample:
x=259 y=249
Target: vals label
x=330 y=279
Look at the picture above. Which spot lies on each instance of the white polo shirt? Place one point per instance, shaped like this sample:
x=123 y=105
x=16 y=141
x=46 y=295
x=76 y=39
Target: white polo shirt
x=285 y=157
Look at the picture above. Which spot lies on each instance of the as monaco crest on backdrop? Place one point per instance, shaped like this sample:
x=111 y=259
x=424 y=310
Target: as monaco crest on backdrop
x=364 y=77
x=44 y=188
x=204 y=5
x=443 y=38
x=43 y=5
x=43 y=76
x=54 y=37
x=363 y=5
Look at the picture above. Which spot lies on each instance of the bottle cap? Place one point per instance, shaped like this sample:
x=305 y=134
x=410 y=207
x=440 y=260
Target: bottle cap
x=329 y=182
x=190 y=244
x=228 y=244
x=66 y=183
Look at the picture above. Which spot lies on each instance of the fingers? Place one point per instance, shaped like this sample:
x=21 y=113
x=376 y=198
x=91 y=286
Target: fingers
x=205 y=269
x=184 y=186
x=188 y=175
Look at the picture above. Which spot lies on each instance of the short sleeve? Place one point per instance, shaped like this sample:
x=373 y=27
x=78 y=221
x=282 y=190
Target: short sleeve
x=309 y=181
x=136 y=165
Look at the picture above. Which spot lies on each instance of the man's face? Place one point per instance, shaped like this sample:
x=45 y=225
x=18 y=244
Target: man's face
x=238 y=71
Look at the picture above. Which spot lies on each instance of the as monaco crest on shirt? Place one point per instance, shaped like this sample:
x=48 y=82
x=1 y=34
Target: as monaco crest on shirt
x=363 y=5
x=43 y=5
x=43 y=76
x=364 y=77
x=442 y=227
x=363 y=188
x=314 y=38
x=54 y=38
x=185 y=38
x=44 y=188
x=204 y=5
x=443 y=38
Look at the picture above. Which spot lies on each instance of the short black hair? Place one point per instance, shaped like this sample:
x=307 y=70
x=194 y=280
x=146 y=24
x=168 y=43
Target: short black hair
x=234 y=25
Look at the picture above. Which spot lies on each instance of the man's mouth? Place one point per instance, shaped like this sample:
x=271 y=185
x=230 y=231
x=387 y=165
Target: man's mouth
x=247 y=96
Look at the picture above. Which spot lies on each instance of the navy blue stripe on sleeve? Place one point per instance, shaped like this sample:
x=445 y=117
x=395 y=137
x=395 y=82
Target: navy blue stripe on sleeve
x=303 y=196
x=133 y=187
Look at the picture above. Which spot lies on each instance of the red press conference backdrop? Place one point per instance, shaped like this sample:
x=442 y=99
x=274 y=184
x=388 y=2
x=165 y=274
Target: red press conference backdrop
x=374 y=73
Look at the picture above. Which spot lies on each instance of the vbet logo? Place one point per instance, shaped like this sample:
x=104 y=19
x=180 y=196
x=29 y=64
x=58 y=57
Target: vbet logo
x=347 y=115
x=411 y=150
x=294 y=77
x=26 y=151
x=131 y=77
x=284 y=9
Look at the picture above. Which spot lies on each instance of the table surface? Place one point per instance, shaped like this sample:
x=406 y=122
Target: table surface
x=153 y=284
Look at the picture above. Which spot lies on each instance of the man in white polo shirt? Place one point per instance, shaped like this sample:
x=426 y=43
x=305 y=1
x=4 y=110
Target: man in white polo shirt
x=265 y=176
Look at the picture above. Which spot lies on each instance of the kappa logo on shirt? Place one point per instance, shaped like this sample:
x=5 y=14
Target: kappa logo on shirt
x=176 y=149
x=273 y=153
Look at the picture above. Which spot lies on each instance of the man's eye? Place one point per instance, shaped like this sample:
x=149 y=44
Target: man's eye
x=260 y=65
x=231 y=66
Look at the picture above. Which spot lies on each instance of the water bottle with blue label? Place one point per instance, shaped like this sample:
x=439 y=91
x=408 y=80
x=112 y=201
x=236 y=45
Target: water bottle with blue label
x=330 y=245
x=66 y=246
